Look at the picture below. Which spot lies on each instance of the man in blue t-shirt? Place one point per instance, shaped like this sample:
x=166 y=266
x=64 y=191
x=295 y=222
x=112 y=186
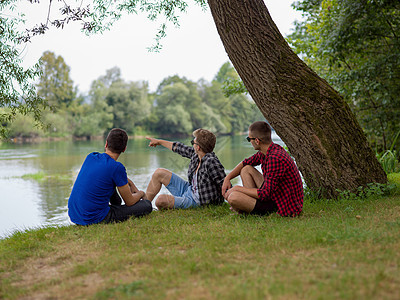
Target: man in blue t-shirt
x=97 y=183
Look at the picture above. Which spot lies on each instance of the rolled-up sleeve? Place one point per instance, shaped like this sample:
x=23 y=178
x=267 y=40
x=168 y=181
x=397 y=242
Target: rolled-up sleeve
x=182 y=149
x=254 y=160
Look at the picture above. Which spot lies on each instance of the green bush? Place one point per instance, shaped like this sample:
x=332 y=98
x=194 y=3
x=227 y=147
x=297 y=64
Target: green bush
x=60 y=124
x=24 y=126
x=389 y=161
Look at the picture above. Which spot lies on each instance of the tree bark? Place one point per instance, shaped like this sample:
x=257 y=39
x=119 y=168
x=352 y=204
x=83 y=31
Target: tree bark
x=312 y=119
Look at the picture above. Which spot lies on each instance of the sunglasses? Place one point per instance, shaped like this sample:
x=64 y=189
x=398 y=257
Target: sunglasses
x=193 y=142
x=249 y=139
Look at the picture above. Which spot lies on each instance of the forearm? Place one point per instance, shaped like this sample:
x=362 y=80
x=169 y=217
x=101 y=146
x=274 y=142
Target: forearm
x=129 y=197
x=252 y=192
x=235 y=172
x=136 y=197
x=166 y=144
x=132 y=186
x=156 y=142
x=226 y=185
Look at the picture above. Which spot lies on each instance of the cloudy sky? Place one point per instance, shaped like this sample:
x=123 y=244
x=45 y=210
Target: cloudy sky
x=194 y=50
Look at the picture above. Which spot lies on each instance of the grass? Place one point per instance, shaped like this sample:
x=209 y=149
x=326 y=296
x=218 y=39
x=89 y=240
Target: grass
x=43 y=176
x=347 y=249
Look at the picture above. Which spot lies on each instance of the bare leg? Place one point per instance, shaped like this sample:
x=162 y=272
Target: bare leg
x=160 y=176
x=165 y=201
x=251 y=178
x=241 y=202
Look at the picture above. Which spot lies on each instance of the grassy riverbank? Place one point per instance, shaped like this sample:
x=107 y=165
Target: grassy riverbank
x=347 y=249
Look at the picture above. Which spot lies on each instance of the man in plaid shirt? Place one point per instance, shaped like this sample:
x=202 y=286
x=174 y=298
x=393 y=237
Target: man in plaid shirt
x=205 y=174
x=279 y=189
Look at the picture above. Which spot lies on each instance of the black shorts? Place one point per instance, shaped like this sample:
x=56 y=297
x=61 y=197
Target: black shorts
x=119 y=213
x=264 y=208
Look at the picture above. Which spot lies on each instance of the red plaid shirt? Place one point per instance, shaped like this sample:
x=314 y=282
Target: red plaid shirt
x=282 y=181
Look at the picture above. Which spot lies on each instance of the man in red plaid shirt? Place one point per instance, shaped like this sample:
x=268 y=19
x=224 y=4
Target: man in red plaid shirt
x=279 y=189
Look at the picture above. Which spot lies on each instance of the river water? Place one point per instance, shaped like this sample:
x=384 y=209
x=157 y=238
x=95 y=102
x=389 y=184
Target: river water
x=36 y=179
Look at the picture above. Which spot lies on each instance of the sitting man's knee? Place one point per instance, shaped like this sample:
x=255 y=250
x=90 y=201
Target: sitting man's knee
x=160 y=174
x=233 y=199
x=162 y=201
x=246 y=169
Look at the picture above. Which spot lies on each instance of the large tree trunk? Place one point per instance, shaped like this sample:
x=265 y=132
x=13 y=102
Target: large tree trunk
x=312 y=119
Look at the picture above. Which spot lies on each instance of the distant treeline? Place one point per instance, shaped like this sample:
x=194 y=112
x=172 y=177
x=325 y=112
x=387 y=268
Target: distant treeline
x=177 y=107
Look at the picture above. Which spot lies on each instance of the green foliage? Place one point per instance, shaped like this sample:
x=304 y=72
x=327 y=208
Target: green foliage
x=394 y=179
x=371 y=191
x=55 y=84
x=205 y=106
x=24 y=126
x=234 y=86
x=225 y=73
x=178 y=107
x=389 y=161
x=114 y=103
x=17 y=92
x=91 y=119
x=60 y=123
x=236 y=109
x=355 y=46
x=172 y=117
x=230 y=81
x=40 y=176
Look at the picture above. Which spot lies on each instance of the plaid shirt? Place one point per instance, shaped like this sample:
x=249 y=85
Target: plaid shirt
x=210 y=175
x=282 y=181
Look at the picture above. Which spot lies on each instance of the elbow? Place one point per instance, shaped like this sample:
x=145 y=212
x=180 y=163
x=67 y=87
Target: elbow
x=131 y=202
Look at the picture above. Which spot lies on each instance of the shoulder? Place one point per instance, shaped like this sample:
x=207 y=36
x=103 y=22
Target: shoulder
x=109 y=161
x=277 y=150
x=211 y=158
x=93 y=155
x=93 y=158
x=182 y=148
x=256 y=156
x=278 y=153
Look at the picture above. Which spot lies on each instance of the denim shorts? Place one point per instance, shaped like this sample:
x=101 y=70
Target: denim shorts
x=182 y=192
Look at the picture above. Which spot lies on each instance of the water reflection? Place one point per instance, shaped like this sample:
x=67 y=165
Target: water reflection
x=28 y=203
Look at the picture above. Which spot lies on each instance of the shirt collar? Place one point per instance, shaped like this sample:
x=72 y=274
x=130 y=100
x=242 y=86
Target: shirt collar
x=268 y=150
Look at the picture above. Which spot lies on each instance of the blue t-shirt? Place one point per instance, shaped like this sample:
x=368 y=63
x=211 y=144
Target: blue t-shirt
x=95 y=184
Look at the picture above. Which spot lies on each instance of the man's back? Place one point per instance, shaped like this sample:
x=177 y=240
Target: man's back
x=96 y=182
x=289 y=191
x=282 y=181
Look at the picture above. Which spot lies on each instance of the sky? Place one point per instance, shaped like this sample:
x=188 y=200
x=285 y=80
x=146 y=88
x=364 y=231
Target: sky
x=194 y=50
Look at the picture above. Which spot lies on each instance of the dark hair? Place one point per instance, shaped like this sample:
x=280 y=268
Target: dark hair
x=117 y=140
x=262 y=131
x=206 y=139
